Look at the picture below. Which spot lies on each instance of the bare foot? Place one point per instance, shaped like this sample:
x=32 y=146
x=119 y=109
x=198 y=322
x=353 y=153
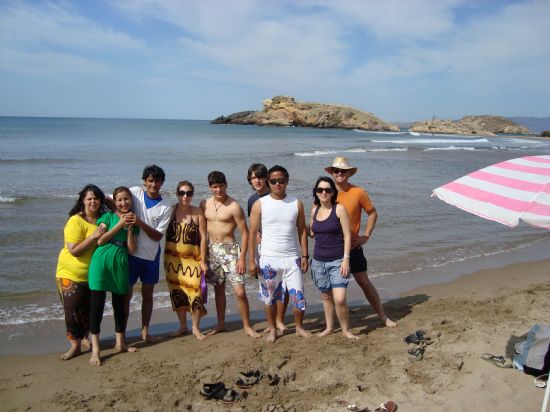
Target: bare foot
x=179 y=332
x=281 y=329
x=303 y=333
x=349 y=335
x=390 y=323
x=94 y=359
x=272 y=337
x=197 y=334
x=267 y=329
x=71 y=353
x=216 y=330
x=149 y=338
x=252 y=333
x=125 y=348
x=85 y=344
x=326 y=332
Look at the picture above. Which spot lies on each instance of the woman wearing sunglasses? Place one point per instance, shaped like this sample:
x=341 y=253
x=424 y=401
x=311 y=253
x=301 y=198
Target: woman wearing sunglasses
x=329 y=225
x=185 y=259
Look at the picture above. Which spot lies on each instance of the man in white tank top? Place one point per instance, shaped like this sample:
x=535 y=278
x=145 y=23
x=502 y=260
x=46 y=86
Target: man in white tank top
x=284 y=256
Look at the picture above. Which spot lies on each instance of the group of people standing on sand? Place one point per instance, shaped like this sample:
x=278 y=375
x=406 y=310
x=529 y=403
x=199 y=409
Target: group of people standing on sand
x=111 y=242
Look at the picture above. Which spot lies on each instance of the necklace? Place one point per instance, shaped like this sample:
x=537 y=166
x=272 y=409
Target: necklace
x=221 y=204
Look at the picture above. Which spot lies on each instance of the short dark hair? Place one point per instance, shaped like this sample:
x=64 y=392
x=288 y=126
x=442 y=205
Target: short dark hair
x=216 y=178
x=258 y=169
x=154 y=171
x=78 y=207
x=332 y=185
x=278 y=168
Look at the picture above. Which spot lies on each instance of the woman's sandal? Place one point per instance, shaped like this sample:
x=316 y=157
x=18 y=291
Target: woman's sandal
x=541 y=381
x=219 y=392
x=389 y=406
x=248 y=379
x=499 y=361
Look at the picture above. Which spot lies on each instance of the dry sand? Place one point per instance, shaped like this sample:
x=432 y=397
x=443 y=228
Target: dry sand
x=485 y=312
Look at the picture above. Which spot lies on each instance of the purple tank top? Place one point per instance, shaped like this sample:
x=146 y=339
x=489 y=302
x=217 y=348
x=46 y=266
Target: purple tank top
x=329 y=238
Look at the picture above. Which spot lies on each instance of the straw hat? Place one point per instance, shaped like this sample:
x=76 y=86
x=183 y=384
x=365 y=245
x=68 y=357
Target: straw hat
x=341 y=163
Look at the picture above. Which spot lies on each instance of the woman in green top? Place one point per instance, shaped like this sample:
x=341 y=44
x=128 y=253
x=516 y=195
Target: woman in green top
x=109 y=269
x=80 y=240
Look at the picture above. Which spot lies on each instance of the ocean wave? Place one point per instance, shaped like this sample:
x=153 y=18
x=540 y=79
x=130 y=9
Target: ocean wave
x=429 y=149
x=8 y=199
x=430 y=141
x=330 y=152
x=376 y=132
x=36 y=161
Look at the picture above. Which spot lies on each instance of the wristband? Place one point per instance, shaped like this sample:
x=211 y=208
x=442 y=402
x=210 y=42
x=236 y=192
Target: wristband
x=305 y=256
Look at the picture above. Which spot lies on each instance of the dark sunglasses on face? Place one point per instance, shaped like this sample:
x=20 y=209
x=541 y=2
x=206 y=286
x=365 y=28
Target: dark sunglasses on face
x=336 y=171
x=187 y=193
x=324 y=189
x=278 y=181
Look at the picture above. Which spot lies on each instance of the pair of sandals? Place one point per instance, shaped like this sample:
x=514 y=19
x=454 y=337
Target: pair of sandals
x=218 y=392
x=248 y=379
x=420 y=339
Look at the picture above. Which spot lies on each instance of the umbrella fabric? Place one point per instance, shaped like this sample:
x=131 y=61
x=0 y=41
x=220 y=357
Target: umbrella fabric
x=507 y=192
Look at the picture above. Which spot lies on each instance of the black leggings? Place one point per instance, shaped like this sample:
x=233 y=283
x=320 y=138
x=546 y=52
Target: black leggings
x=97 y=305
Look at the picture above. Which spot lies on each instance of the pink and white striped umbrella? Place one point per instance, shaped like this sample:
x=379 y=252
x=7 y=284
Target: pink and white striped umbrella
x=506 y=192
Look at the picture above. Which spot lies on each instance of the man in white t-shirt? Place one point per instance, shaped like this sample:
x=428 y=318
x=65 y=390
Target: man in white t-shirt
x=152 y=216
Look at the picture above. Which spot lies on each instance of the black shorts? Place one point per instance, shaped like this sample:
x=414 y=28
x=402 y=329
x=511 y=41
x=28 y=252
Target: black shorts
x=357 y=260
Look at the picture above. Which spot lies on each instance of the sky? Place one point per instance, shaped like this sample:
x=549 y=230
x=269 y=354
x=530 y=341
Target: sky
x=402 y=60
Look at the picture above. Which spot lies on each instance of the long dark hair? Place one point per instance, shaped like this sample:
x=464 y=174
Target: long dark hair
x=78 y=208
x=332 y=185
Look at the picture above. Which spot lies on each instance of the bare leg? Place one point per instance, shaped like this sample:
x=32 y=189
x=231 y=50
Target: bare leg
x=280 y=316
x=372 y=296
x=95 y=359
x=127 y=301
x=242 y=301
x=299 y=319
x=219 y=292
x=182 y=317
x=195 y=318
x=270 y=314
x=342 y=312
x=328 y=306
x=75 y=349
x=85 y=344
x=146 y=311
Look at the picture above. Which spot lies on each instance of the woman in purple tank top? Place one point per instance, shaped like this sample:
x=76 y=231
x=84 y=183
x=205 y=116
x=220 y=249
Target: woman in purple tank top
x=329 y=225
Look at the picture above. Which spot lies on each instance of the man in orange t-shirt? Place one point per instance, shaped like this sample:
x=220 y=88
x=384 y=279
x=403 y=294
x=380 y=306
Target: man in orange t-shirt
x=355 y=200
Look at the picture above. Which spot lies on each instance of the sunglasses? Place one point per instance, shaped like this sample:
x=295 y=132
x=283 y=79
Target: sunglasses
x=278 y=181
x=337 y=171
x=187 y=193
x=324 y=189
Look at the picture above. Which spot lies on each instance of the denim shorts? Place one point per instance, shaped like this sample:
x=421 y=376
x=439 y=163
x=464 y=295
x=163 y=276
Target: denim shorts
x=326 y=275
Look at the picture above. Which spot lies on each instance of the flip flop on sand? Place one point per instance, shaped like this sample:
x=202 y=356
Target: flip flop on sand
x=248 y=379
x=388 y=406
x=218 y=392
x=417 y=353
x=540 y=381
x=419 y=338
x=499 y=361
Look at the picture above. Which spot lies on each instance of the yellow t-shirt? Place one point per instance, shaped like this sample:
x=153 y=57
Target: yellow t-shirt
x=75 y=267
x=355 y=200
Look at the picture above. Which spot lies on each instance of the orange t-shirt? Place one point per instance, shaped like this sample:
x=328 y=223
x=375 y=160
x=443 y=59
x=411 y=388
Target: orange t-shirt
x=355 y=199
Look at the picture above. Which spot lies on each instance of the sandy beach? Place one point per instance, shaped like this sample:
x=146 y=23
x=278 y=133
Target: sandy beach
x=483 y=312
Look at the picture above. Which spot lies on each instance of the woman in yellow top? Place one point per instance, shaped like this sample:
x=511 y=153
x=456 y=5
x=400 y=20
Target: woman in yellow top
x=80 y=240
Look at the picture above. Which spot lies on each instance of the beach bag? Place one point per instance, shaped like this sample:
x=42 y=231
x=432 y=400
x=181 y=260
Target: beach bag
x=204 y=288
x=534 y=352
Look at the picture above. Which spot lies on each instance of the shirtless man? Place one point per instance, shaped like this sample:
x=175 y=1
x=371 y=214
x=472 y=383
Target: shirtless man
x=284 y=256
x=227 y=259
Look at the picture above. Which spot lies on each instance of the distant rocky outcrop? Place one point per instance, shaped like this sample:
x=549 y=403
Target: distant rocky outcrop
x=469 y=125
x=285 y=111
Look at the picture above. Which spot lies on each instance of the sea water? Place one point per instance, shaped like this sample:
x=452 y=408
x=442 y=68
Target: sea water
x=44 y=162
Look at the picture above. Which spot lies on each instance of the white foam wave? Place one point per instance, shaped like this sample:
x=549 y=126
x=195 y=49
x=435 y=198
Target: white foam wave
x=394 y=149
x=429 y=149
x=7 y=199
x=376 y=132
x=329 y=152
x=430 y=141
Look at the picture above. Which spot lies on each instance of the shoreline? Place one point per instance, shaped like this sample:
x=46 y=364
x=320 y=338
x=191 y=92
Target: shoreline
x=485 y=311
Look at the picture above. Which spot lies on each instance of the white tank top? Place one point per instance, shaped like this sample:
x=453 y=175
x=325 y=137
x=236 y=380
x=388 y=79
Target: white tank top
x=279 y=233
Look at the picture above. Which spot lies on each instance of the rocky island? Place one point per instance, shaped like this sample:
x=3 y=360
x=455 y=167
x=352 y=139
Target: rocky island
x=285 y=111
x=470 y=125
